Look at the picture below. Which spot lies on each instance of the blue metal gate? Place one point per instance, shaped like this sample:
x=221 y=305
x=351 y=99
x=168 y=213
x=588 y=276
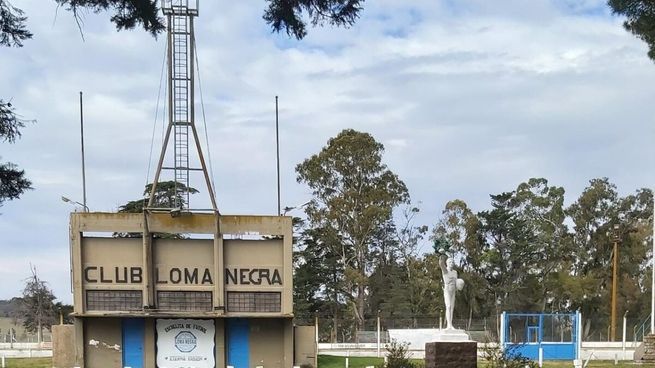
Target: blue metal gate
x=133 y=340
x=556 y=335
x=238 y=342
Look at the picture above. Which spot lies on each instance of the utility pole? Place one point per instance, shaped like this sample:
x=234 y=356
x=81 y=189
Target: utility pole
x=86 y=209
x=277 y=148
x=615 y=267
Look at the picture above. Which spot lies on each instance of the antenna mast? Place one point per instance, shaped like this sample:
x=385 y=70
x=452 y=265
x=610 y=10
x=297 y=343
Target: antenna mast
x=181 y=104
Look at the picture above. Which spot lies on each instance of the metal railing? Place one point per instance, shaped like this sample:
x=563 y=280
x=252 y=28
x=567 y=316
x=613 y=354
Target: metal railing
x=642 y=329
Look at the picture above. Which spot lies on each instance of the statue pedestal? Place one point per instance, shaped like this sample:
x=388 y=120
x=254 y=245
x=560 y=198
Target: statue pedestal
x=452 y=354
x=451 y=336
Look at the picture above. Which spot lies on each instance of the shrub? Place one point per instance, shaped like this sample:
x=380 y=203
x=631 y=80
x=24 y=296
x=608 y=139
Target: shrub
x=508 y=358
x=398 y=355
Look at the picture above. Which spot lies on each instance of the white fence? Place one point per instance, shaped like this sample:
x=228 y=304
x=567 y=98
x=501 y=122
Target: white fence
x=595 y=350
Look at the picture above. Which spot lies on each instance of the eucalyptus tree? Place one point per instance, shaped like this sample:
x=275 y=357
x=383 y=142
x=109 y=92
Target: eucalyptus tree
x=354 y=195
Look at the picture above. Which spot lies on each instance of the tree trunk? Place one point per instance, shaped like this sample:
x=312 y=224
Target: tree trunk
x=468 y=326
x=360 y=305
x=335 y=323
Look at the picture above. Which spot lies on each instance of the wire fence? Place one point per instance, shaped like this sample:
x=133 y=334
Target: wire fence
x=486 y=329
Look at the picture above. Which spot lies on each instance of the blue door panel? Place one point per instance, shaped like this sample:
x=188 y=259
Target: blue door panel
x=133 y=339
x=238 y=342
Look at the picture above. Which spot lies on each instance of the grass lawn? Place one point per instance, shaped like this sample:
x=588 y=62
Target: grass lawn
x=29 y=363
x=328 y=361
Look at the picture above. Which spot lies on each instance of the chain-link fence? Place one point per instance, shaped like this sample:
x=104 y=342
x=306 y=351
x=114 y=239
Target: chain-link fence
x=486 y=329
x=13 y=332
x=346 y=330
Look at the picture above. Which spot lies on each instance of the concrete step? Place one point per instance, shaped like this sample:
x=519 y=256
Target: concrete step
x=646 y=351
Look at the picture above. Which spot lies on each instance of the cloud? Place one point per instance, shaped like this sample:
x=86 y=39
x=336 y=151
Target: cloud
x=469 y=97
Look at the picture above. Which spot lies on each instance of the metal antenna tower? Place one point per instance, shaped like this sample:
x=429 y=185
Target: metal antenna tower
x=181 y=112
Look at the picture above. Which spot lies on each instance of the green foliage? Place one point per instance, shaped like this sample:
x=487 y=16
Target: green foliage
x=508 y=358
x=63 y=311
x=354 y=195
x=127 y=14
x=640 y=21
x=10 y=123
x=168 y=194
x=528 y=252
x=12 y=27
x=398 y=355
x=288 y=15
x=12 y=180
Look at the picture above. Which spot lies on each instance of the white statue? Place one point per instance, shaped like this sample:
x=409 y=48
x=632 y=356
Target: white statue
x=450 y=286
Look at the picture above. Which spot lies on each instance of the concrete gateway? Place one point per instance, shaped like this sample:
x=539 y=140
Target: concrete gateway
x=180 y=302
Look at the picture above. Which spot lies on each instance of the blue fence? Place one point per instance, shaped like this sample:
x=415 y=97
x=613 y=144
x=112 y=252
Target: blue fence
x=555 y=335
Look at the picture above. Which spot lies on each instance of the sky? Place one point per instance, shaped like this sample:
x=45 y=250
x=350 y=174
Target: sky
x=469 y=98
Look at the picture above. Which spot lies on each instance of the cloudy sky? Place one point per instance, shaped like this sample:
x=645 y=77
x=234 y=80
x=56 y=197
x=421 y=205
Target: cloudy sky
x=469 y=97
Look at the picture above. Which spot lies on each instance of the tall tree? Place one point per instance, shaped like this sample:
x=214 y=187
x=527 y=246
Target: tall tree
x=37 y=309
x=354 y=195
x=640 y=20
x=599 y=216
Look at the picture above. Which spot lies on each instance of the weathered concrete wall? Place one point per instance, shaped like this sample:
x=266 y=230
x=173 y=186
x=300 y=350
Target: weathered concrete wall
x=305 y=345
x=63 y=346
x=106 y=335
x=267 y=343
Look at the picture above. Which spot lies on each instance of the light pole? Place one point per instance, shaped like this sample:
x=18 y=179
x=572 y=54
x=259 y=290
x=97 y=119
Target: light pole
x=277 y=150
x=82 y=144
x=615 y=266
x=67 y=200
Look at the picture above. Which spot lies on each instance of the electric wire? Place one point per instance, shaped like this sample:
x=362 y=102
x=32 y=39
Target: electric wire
x=154 y=125
x=204 y=121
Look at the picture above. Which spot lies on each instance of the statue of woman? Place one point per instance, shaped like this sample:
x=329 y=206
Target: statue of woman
x=450 y=286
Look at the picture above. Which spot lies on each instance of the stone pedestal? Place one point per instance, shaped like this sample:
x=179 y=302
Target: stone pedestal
x=463 y=354
x=649 y=349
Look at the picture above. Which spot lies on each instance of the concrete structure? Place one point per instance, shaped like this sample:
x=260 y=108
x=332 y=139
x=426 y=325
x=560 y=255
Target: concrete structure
x=451 y=354
x=211 y=299
x=63 y=346
x=645 y=353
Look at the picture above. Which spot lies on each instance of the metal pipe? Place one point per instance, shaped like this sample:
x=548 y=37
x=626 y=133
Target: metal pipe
x=625 y=322
x=277 y=146
x=82 y=142
x=378 y=333
x=615 y=270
